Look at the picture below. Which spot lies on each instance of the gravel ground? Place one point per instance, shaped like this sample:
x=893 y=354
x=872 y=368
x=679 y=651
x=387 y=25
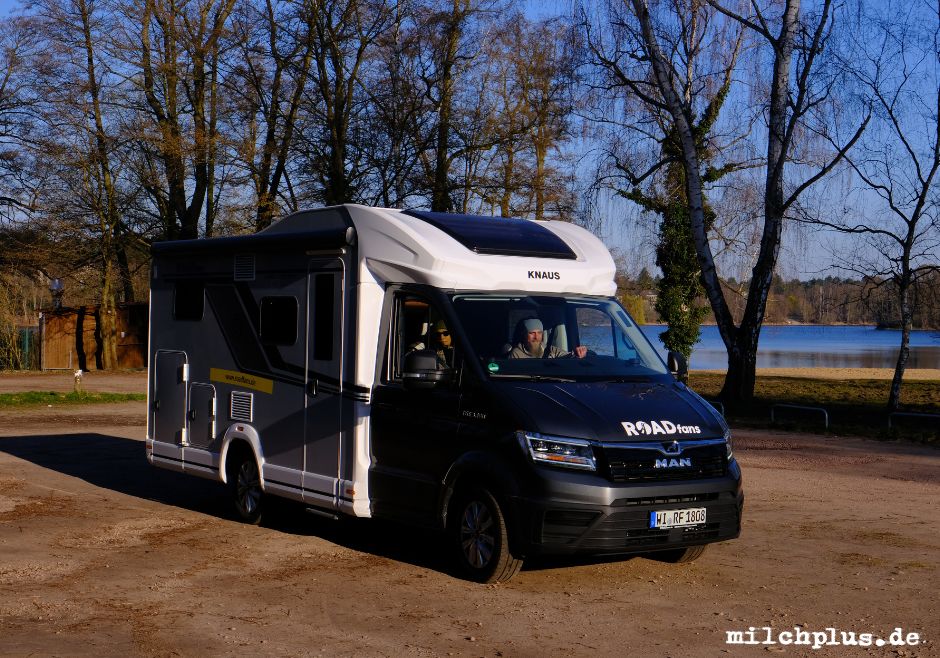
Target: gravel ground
x=104 y=555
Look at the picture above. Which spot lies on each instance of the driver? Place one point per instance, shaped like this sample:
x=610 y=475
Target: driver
x=531 y=344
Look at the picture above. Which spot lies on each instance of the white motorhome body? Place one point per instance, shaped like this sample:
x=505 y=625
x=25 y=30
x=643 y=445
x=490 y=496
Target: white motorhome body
x=278 y=360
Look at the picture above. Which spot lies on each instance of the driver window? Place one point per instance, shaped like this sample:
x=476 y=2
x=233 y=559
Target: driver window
x=421 y=326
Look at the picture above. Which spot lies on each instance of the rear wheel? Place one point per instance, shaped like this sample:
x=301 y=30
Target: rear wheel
x=680 y=555
x=245 y=483
x=480 y=539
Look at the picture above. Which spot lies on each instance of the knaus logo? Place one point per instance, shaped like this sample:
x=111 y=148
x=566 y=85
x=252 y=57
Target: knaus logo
x=642 y=427
x=539 y=274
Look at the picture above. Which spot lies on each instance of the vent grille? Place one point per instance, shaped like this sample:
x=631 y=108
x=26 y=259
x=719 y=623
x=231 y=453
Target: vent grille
x=241 y=406
x=245 y=267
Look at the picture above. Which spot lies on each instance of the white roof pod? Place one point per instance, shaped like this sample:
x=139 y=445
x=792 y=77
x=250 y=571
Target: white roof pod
x=475 y=253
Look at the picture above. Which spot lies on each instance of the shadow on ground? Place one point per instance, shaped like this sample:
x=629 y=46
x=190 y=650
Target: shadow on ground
x=120 y=465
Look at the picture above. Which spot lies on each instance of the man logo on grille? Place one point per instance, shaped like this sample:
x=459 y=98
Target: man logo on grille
x=683 y=462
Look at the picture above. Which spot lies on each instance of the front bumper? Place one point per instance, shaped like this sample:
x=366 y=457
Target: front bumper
x=578 y=514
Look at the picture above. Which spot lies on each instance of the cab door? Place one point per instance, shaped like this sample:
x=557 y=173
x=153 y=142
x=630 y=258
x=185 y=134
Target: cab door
x=414 y=432
x=323 y=410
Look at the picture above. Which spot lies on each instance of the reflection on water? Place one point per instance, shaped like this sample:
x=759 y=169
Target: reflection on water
x=813 y=346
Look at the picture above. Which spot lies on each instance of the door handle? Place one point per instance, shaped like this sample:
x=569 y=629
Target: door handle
x=312 y=388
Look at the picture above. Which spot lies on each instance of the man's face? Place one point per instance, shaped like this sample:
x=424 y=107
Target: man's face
x=443 y=337
x=534 y=340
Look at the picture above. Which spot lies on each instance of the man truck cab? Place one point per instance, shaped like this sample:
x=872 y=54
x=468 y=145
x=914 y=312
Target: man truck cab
x=470 y=373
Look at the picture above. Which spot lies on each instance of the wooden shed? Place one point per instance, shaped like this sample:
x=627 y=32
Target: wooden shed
x=71 y=340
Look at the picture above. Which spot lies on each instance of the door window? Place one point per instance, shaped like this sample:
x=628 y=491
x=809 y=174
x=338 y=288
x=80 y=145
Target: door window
x=419 y=325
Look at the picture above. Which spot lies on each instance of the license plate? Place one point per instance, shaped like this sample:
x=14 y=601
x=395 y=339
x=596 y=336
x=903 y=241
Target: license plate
x=677 y=518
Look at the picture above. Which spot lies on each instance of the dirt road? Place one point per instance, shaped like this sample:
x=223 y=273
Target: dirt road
x=103 y=555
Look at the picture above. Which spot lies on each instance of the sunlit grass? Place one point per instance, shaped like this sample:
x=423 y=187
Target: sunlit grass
x=46 y=398
x=855 y=406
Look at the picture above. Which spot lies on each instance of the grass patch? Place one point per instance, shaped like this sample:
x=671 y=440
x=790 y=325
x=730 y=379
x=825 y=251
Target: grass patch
x=45 y=398
x=854 y=406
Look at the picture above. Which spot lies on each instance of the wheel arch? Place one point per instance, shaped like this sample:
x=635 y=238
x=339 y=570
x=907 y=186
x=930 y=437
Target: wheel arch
x=240 y=437
x=488 y=470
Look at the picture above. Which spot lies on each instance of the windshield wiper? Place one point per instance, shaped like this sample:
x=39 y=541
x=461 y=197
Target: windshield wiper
x=533 y=378
x=621 y=379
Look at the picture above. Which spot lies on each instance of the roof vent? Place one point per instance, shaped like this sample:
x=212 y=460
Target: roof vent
x=245 y=267
x=241 y=406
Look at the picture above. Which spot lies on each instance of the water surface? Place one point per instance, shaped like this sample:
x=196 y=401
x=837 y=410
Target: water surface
x=816 y=346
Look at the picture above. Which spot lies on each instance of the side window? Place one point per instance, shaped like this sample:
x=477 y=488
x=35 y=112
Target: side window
x=596 y=332
x=278 y=322
x=188 y=300
x=419 y=325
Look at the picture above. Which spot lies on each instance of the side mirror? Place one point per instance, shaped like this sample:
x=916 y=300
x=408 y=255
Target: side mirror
x=678 y=366
x=420 y=371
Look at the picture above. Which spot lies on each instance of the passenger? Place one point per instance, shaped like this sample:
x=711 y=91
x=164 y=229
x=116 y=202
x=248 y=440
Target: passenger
x=442 y=345
x=530 y=346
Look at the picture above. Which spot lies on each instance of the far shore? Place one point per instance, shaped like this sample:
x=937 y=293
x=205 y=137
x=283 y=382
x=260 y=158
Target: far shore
x=911 y=374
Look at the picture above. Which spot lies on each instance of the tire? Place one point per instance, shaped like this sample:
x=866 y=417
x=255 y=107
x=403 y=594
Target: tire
x=680 y=555
x=245 y=484
x=480 y=539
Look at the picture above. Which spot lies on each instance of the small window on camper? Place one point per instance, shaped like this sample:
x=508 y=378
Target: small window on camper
x=278 y=324
x=188 y=300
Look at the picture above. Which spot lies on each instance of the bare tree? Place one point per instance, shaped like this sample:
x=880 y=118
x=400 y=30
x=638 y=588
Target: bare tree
x=175 y=46
x=398 y=123
x=529 y=94
x=704 y=51
x=275 y=42
x=896 y=219
x=80 y=147
x=797 y=96
x=17 y=101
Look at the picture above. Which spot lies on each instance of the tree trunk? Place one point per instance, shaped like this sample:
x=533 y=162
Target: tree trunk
x=738 y=388
x=440 y=193
x=107 y=318
x=907 y=313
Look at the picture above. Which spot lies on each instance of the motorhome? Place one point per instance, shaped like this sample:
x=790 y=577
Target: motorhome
x=471 y=373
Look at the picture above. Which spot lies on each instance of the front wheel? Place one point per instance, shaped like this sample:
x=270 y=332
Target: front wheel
x=480 y=539
x=245 y=484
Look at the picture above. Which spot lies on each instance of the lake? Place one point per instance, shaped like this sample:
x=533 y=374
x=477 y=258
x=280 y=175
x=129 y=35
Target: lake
x=815 y=346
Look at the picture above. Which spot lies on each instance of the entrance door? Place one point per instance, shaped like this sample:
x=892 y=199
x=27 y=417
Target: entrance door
x=170 y=375
x=326 y=324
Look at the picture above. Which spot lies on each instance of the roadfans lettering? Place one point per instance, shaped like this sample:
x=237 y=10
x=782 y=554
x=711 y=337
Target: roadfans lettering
x=652 y=427
x=537 y=274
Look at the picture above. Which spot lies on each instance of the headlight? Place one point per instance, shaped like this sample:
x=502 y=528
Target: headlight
x=728 y=443
x=570 y=453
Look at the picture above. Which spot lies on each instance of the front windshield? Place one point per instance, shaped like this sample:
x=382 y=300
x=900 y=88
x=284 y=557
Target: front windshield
x=556 y=337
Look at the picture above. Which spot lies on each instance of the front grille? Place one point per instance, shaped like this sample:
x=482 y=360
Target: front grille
x=634 y=464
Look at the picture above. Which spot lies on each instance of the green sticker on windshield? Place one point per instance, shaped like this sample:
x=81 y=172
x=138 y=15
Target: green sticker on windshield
x=493 y=367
